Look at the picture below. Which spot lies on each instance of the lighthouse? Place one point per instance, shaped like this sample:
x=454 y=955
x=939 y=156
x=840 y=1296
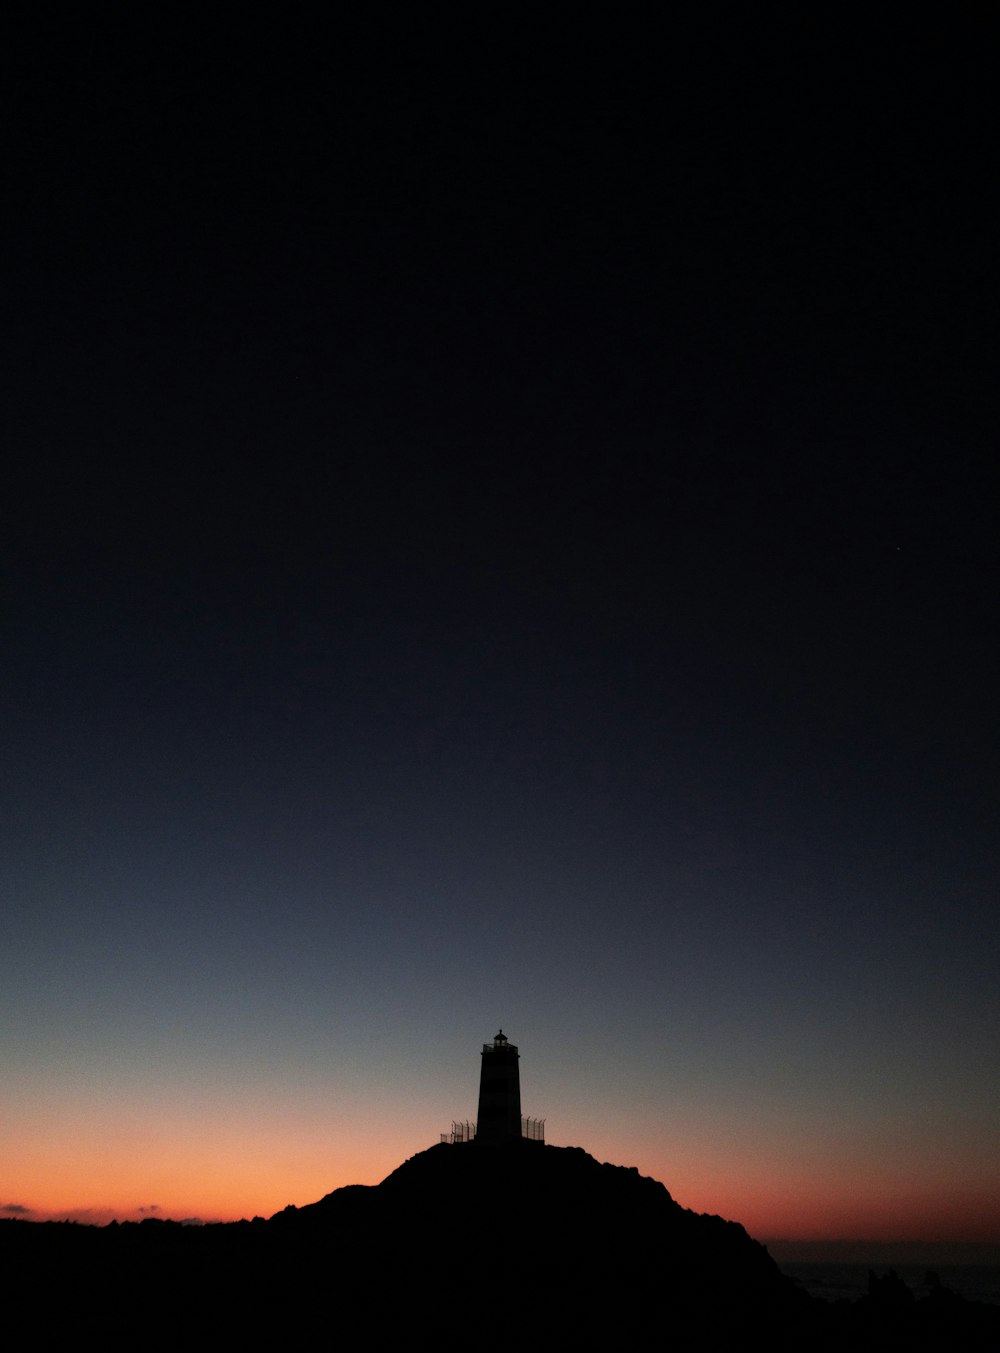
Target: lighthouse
x=499 y=1118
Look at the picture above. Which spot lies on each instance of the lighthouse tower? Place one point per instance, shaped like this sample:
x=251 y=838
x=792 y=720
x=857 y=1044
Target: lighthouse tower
x=499 y=1093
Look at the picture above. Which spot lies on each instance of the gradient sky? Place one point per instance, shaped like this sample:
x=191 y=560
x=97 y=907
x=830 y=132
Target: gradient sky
x=501 y=531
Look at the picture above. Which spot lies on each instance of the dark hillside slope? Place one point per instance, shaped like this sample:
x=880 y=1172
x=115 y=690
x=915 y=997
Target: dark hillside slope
x=547 y=1238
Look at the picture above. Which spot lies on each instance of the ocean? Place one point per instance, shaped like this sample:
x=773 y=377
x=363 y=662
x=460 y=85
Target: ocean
x=839 y=1282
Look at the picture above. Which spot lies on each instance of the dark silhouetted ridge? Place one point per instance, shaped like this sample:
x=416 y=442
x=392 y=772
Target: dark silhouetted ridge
x=479 y=1246
x=523 y=1207
x=574 y=1246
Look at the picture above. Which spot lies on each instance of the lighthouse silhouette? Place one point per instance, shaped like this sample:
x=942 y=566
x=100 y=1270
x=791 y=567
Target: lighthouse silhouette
x=499 y=1118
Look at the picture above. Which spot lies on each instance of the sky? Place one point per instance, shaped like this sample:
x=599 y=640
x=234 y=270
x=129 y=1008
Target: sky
x=500 y=530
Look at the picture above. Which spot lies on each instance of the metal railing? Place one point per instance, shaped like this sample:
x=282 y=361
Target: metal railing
x=532 y=1130
x=460 y=1132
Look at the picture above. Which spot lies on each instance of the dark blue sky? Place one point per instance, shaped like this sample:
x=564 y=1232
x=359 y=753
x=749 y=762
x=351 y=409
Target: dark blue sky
x=501 y=528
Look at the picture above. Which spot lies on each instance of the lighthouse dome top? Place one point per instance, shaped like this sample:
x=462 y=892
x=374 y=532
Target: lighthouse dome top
x=501 y=1044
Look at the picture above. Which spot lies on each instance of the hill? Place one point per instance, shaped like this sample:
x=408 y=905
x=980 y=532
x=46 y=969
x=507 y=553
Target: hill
x=547 y=1238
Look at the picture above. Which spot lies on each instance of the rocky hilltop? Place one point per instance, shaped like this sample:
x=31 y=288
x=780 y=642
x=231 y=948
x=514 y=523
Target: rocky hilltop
x=499 y=1240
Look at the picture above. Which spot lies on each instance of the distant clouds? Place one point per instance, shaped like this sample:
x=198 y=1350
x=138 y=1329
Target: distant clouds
x=16 y=1210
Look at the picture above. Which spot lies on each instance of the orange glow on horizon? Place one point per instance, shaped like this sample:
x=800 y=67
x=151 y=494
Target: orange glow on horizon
x=213 y=1185
x=226 y=1162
